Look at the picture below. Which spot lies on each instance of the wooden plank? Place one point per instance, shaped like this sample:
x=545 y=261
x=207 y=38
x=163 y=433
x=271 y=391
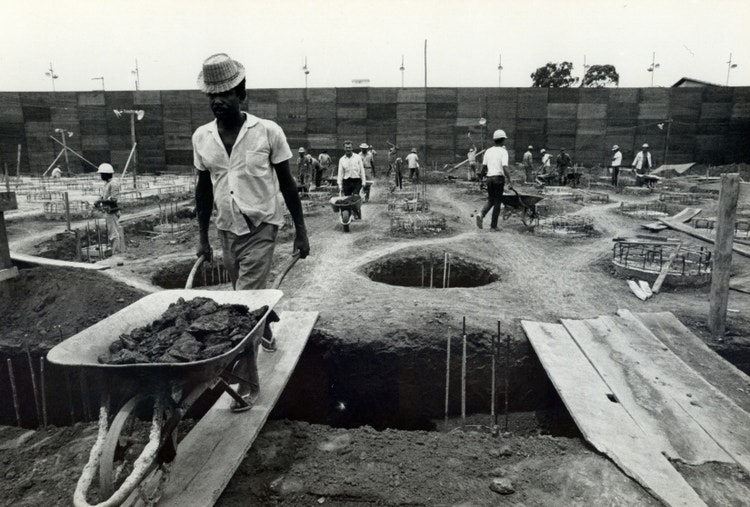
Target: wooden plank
x=645 y=288
x=742 y=250
x=605 y=424
x=683 y=216
x=719 y=372
x=43 y=261
x=665 y=269
x=664 y=376
x=636 y=289
x=740 y=283
x=607 y=342
x=210 y=454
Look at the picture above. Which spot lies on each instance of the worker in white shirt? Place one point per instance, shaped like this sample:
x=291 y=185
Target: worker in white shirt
x=495 y=166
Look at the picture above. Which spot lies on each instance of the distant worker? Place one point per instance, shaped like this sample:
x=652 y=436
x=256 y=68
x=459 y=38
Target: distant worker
x=368 y=159
x=528 y=164
x=351 y=173
x=642 y=164
x=325 y=164
x=472 y=158
x=107 y=203
x=615 y=164
x=302 y=167
x=315 y=167
x=412 y=161
x=495 y=165
x=546 y=174
x=563 y=162
x=398 y=167
x=244 y=174
x=56 y=173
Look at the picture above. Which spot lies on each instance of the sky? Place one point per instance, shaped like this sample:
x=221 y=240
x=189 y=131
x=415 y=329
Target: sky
x=344 y=40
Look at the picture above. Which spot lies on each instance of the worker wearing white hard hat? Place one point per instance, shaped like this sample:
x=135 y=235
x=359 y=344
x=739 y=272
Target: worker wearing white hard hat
x=495 y=166
x=303 y=168
x=643 y=164
x=107 y=204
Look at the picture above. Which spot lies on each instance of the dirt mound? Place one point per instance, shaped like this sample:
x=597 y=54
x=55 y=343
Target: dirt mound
x=48 y=304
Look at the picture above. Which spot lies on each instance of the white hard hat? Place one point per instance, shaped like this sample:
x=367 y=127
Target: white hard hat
x=106 y=168
x=499 y=134
x=301 y=150
x=531 y=147
x=615 y=148
x=645 y=145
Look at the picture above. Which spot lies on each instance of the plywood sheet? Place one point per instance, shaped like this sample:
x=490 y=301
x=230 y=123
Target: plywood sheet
x=605 y=423
x=719 y=372
x=608 y=343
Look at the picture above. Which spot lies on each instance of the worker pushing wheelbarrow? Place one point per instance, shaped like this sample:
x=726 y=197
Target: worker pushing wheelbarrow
x=349 y=208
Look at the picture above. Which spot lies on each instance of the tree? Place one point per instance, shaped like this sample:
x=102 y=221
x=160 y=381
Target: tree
x=554 y=75
x=599 y=76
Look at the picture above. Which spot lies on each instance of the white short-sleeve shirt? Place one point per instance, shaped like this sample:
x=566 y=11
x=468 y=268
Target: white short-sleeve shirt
x=245 y=183
x=495 y=159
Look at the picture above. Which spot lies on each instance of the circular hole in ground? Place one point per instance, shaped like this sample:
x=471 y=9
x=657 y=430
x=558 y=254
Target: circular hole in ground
x=175 y=275
x=426 y=271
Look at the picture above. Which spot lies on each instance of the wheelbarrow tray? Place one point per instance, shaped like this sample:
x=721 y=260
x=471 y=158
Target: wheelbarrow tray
x=521 y=201
x=82 y=350
x=355 y=205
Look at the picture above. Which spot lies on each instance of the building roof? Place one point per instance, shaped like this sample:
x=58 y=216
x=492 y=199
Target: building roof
x=688 y=81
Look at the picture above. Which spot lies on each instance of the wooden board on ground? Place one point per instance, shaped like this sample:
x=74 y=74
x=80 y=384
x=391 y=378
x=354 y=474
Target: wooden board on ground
x=655 y=372
x=602 y=421
x=606 y=343
x=683 y=216
x=636 y=289
x=43 y=261
x=213 y=450
x=742 y=250
x=740 y=283
x=692 y=350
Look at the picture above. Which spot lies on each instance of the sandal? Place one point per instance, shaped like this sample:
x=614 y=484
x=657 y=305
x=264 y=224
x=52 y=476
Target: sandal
x=249 y=399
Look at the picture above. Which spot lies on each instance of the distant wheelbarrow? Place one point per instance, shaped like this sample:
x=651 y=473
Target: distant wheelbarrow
x=522 y=205
x=347 y=207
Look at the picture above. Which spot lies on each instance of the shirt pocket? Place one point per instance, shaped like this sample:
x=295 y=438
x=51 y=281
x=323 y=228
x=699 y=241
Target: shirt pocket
x=257 y=163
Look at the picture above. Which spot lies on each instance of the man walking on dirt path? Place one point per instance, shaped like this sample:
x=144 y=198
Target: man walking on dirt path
x=107 y=203
x=243 y=170
x=495 y=166
x=528 y=164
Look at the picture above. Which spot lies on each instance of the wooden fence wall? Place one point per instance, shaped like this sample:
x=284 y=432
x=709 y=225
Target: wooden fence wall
x=709 y=125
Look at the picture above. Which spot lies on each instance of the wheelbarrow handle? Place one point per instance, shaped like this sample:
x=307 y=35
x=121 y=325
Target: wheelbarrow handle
x=193 y=271
x=284 y=270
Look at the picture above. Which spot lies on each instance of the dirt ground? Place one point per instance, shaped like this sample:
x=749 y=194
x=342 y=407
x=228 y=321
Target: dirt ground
x=540 y=277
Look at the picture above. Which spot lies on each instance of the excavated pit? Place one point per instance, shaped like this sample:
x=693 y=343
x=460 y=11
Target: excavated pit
x=427 y=270
x=175 y=274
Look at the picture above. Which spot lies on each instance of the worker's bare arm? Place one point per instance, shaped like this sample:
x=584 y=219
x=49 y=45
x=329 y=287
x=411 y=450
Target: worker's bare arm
x=288 y=187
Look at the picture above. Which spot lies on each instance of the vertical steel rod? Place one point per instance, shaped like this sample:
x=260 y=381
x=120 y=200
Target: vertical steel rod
x=447 y=377
x=88 y=243
x=15 y=393
x=44 y=394
x=493 y=415
x=70 y=397
x=84 y=396
x=448 y=283
x=33 y=385
x=463 y=376
x=432 y=269
x=507 y=371
x=445 y=267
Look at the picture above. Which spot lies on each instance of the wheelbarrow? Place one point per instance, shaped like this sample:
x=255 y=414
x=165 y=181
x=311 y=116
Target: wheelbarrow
x=124 y=454
x=347 y=207
x=523 y=205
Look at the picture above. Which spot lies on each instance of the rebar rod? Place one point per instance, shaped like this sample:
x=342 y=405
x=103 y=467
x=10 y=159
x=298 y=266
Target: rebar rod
x=507 y=372
x=32 y=373
x=447 y=377
x=88 y=243
x=445 y=267
x=70 y=397
x=15 y=393
x=44 y=395
x=432 y=269
x=463 y=375
x=493 y=415
x=449 y=272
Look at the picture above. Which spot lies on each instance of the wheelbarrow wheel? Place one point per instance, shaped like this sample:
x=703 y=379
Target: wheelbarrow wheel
x=529 y=218
x=346 y=217
x=126 y=443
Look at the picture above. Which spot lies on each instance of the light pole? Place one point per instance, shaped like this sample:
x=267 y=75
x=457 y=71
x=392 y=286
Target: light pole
x=99 y=78
x=51 y=74
x=585 y=69
x=137 y=76
x=730 y=66
x=63 y=134
x=402 y=68
x=134 y=113
x=500 y=71
x=653 y=67
x=307 y=71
